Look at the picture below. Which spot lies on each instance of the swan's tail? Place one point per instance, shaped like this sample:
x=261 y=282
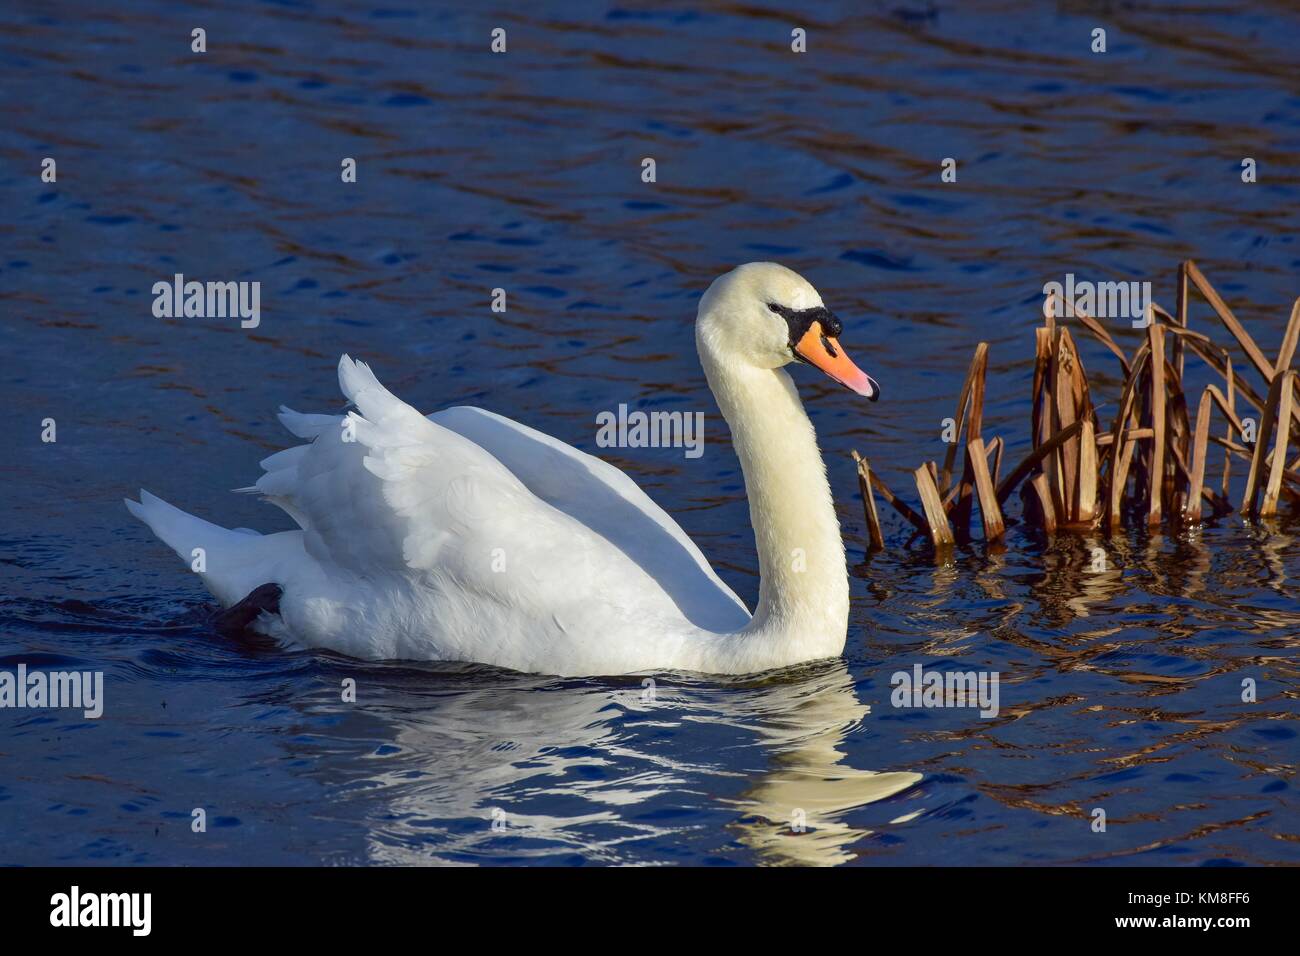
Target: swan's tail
x=231 y=562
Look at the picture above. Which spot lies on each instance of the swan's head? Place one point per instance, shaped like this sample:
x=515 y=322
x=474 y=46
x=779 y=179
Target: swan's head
x=765 y=315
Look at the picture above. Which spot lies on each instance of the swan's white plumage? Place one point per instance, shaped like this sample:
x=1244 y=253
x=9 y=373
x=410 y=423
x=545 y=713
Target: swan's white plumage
x=418 y=541
x=234 y=561
x=466 y=536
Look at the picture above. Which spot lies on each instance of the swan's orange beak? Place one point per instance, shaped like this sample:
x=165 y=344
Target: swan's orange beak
x=817 y=348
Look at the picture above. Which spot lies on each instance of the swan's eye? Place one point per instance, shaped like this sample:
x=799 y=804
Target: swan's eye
x=800 y=320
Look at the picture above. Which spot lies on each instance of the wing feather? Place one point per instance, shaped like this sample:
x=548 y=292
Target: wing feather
x=386 y=490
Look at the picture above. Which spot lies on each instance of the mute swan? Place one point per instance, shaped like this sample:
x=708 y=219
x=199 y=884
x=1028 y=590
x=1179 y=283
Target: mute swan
x=467 y=536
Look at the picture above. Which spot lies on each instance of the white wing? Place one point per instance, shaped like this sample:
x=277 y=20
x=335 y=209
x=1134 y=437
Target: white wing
x=611 y=504
x=492 y=529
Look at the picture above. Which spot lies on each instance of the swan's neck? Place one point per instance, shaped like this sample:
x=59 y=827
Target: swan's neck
x=803 y=601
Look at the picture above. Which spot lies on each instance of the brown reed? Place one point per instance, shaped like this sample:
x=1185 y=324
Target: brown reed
x=1148 y=465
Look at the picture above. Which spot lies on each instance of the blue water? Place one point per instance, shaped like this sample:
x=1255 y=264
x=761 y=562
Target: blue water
x=1120 y=690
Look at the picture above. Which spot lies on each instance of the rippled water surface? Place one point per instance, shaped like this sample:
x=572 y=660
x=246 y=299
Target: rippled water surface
x=1120 y=689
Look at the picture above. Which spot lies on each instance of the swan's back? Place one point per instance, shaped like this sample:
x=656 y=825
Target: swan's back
x=466 y=536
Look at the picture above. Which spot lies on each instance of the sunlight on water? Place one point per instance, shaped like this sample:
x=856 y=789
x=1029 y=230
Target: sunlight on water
x=1120 y=689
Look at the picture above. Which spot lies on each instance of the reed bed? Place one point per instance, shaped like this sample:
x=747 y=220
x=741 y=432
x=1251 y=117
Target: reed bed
x=1147 y=465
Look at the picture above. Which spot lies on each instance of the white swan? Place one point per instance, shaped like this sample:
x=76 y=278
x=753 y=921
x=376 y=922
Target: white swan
x=467 y=536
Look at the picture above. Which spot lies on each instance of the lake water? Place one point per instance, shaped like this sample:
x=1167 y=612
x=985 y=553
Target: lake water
x=1120 y=690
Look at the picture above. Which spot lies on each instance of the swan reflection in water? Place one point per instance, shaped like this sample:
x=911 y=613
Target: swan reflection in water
x=795 y=810
x=486 y=765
